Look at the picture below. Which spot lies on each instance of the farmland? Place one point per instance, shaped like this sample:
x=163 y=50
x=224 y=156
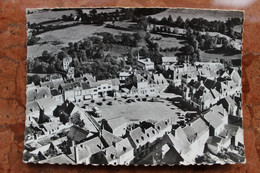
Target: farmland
x=47 y=15
x=209 y=15
x=64 y=36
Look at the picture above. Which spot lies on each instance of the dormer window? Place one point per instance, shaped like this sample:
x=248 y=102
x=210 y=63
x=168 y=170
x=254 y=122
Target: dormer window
x=112 y=156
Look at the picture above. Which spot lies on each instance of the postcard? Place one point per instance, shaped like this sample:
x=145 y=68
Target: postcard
x=134 y=86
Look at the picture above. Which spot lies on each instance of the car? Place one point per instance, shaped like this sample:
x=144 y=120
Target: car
x=109 y=103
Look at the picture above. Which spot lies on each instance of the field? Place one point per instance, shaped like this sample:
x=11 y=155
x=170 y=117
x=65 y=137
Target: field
x=210 y=56
x=43 y=16
x=167 y=42
x=107 y=10
x=70 y=34
x=210 y=15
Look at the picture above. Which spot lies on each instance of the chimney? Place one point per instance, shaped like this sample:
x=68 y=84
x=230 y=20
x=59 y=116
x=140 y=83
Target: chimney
x=76 y=152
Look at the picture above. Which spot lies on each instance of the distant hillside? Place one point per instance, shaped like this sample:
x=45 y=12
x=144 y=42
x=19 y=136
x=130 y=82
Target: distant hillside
x=210 y=15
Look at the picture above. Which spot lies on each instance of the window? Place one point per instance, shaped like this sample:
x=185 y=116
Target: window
x=109 y=86
x=148 y=135
x=142 y=137
x=158 y=127
x=104 y=87
x=153 y=131
x=137 y=141
x=124 y=149
x=166 y=123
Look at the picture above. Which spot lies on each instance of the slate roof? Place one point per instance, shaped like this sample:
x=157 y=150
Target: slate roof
x=213 y=119
x=214 y=140
x=159 y=79
x=37 y=93
x=55 y=92
x=51 y=126
x=46 y=103
x=169 y=59
x=70 y=86
x=117 y=122
x=32 y=107
x=100 y=82
x=138 y=137
x=190 y=133
x=110 y=138
x=123 y=146
x=85 y=85
x=77 y=134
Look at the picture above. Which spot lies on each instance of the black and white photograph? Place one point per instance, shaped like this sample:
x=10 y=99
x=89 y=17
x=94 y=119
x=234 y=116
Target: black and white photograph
x=134 y=86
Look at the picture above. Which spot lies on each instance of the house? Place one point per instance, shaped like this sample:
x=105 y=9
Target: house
x=48 y=105
x=66 y=62
x=51 y=127
x=167 y=61
x=88 y=152
x=111 y=155
x=230 y=105
x=70 y=73
x=77 y=134
x=139 y=142
x=220 y=111
x=71 y=91
x=37 y=93
x=125 y=152
x=179 y=147
x=117 y=126
x=145 y=64
x=197 y=133
x=64 y=111
x=60 y=159
x=160 y=82
x=236 y=133
x=176 y=72
x=57 y=96
x=32 y=112
x=123 y=75
x=213 y=144
x=216 y=125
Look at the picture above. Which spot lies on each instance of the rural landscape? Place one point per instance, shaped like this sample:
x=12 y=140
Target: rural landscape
x=134 y=86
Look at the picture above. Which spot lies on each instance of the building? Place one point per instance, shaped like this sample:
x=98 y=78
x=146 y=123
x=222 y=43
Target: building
x=145 y=64
x=117 y=126
x=66 y=62
x=167 y=61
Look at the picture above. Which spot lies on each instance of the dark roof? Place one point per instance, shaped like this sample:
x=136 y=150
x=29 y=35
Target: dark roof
x=69 y=108
x=55 y=92
x=85 y=85
x=77 y=134
x=209 y=83
x=43 y=118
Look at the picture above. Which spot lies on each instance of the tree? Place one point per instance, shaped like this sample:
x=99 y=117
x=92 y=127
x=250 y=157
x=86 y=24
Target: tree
x=170 y=21
x=46 y=55
x=36 y=79
x=30 y=65
x=62 y=54
x=179 y=22
x=93 y=12
x=75 y=119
